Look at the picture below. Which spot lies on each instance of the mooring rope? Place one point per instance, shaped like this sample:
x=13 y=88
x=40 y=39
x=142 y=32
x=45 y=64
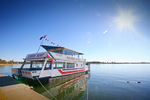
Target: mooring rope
x=45 y=88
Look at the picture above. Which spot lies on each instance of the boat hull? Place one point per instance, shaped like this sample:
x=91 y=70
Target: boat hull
x=56 y=79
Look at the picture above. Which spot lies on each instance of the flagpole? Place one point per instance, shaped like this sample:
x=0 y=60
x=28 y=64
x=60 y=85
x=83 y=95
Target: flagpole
x=40 y=46
x=43 y=37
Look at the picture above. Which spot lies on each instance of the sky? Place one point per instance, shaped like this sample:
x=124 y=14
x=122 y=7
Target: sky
x=104 y=30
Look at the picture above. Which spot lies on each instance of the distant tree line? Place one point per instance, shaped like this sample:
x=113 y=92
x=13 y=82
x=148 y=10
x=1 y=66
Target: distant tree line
x=94 y=62
x=9 y=62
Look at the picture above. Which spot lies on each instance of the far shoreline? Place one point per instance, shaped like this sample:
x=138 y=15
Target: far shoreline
x=97 y=62
x=9 y=64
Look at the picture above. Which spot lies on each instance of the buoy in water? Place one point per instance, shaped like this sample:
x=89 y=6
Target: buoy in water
x=138 y=82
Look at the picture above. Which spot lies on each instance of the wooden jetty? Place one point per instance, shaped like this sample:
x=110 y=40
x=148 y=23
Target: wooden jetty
x=10 y=89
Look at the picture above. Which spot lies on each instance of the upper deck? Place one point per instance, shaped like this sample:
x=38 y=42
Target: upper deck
x=52 y=55
x=61 y=50
x=56 y=53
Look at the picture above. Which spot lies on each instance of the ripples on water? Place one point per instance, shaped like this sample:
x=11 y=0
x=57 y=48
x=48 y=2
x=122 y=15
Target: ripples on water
x=110 y=82
x=105 y=82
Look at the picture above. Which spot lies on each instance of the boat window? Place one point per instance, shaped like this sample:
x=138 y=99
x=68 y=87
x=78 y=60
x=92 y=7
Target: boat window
x=26 y=64
x=58 y=51
x=76 y=65
x=47 y=66
x=37 y=64
x=70 y=65
x=58 y=65
x=71 y=53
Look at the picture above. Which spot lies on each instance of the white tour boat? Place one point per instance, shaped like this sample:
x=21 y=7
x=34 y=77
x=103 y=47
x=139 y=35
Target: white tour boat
x=57 y=61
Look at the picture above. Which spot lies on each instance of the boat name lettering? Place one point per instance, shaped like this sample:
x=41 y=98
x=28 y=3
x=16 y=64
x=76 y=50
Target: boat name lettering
x=73 y=58
x=77 y=58
x=70 y=58
x=36 y=55
x=58 y=54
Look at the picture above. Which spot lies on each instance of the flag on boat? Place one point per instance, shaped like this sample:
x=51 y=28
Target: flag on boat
x=43 y=37
x=49 y=41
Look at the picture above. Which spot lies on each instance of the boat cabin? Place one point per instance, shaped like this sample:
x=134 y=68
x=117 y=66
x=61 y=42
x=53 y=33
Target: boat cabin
x=57 y=61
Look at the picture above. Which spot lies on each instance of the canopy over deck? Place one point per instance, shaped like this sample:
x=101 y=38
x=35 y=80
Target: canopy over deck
x=61 y=50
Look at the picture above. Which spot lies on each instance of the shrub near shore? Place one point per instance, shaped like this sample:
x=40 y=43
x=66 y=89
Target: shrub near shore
x=11 y=62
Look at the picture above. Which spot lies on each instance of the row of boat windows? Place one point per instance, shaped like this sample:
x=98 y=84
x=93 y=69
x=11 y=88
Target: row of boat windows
x=56 y=65
x=67 y=52
x=59 y=65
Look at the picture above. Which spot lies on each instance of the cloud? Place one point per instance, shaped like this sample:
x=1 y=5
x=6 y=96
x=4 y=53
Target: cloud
x=105 y=32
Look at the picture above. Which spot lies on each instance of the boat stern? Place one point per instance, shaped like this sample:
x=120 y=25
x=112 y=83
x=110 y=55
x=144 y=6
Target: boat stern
x=31 y=74
x=15 y=71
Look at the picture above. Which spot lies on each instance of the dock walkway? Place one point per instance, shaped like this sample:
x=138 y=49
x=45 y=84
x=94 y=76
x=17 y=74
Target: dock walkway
x=10 y=89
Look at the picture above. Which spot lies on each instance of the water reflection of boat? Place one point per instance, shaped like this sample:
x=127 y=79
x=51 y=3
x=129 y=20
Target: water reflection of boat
x=73 y=89
x=56 y=62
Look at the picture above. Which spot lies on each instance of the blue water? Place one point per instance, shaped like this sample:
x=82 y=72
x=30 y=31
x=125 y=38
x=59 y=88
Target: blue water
x=104 y=82
x=110 y=82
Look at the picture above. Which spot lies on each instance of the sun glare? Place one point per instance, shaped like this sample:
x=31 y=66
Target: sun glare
x=126 y=20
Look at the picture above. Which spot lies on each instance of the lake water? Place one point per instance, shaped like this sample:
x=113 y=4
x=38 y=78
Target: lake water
x=104 y=82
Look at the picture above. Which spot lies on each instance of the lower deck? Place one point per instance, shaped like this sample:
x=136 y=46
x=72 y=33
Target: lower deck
x=32 y=73
x=52 y=80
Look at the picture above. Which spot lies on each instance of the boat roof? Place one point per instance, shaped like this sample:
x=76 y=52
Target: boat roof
x=55 y=48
